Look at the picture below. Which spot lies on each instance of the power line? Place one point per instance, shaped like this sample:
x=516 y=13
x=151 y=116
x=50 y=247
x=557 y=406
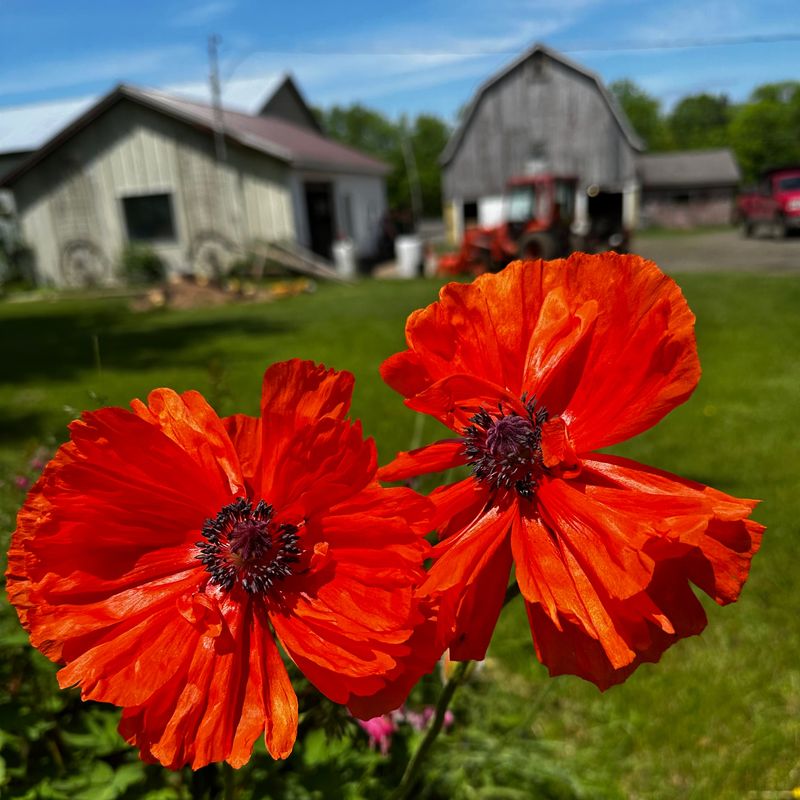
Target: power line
x=586 y=47
x=683 y=44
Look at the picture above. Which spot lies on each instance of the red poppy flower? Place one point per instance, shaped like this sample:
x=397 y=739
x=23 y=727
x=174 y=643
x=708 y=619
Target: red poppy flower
x=535 y=368
x=163 y=551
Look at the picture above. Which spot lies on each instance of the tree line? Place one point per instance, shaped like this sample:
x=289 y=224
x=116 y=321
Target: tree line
x=763 y=132
x=410 y=147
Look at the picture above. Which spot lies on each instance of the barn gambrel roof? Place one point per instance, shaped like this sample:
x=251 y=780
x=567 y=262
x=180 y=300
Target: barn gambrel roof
x=540 y=49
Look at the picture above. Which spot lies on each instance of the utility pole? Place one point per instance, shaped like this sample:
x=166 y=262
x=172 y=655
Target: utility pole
x=216 y=98
x=413 y=175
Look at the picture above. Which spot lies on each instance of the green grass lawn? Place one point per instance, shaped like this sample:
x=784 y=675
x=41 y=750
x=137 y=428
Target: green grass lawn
x=719 y=717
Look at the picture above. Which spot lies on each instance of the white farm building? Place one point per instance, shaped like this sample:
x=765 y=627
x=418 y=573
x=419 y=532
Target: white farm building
x=140 y=166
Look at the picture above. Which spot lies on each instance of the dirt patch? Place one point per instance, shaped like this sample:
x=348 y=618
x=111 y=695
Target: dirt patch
x=719 y=251
x=187 y=294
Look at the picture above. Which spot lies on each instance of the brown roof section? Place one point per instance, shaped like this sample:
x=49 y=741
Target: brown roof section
x=689 y=168
x=300 y=147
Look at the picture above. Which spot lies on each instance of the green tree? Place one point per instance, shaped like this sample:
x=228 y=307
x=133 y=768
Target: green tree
x=428 y=139
x=362 y=128
x=643 y=112
x=376 y=134
x=700 y=121
x=765 y=132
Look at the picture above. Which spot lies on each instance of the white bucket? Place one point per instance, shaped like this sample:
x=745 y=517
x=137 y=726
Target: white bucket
x=344 y=258
x=408 y=253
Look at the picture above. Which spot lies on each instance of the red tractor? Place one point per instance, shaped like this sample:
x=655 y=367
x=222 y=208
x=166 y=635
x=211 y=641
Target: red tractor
x=539 y=222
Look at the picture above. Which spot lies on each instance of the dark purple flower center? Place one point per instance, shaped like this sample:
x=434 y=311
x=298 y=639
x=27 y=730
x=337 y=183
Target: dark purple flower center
x=243 y=544
x=505 y=449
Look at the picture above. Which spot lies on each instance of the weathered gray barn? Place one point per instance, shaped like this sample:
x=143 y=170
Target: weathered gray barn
x=141 y=166
x=541 y=113
x=688 y=188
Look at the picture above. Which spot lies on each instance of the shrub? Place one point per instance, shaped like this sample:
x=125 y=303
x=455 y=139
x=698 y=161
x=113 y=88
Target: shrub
x=142 y=265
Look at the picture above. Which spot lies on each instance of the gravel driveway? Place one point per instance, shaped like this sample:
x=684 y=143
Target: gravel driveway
x=719 y=251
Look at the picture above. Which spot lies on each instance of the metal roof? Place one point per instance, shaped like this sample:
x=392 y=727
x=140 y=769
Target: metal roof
x=23 y=129
x=619 y=115
x=300 y=147
x=689 y=168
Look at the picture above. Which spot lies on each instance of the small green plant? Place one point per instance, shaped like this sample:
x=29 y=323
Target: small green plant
x=141 y=264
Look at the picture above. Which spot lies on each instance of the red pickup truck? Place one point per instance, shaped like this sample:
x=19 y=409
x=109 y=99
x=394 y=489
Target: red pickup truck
x=774 y=203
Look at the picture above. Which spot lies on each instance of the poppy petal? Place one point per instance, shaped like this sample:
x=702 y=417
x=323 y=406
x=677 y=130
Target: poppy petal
x=592 y=628
x=295 y=393
x=469 y=578
x=710 y=530
x=607 y=341
x=642 y=361
x=225 y=697
x=453 y=400
x=190 y=421
x=245 y=434
x=436 y=457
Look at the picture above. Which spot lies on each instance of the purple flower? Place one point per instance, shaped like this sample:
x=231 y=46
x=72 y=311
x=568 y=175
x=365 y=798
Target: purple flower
x=21 y=482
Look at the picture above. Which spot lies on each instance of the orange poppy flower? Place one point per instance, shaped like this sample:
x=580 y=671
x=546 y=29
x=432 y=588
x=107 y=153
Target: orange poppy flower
x=535 y=368
x=163 y=551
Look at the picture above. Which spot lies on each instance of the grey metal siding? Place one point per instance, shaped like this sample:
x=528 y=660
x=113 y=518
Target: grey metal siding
x=543 y=110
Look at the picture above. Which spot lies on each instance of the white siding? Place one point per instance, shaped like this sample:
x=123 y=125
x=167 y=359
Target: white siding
x=360 y=206
x=73 y=199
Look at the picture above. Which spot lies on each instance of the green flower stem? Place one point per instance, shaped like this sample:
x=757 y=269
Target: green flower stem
x=412 y=768
x=228 y=782
x=458 y=677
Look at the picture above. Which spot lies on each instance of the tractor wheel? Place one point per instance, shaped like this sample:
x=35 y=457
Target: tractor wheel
x=537 y=245
x=746 y=228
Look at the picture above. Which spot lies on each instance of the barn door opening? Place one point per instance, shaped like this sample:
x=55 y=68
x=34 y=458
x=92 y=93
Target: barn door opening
x=321 y=222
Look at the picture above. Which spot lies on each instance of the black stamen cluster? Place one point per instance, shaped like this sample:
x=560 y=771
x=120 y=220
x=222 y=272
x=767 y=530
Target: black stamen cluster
x=241 y=543
x=505 y=449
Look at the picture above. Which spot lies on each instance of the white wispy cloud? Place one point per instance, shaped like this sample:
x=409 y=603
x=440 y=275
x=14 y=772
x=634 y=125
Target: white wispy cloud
x=692 y=20
x=395 y=59
x=153 y=63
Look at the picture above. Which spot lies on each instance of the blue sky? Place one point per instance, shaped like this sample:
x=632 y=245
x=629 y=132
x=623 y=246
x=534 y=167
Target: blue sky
x=410 y=57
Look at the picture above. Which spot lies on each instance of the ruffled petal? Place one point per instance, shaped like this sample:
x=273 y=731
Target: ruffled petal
x=642 y=360
x=296 y=393
x=73 y=585
x=190 y=421
x=233 y=687
x=606 y=341
x=321 y=464
x=709 y=530
x=458 y=506
x=600 y=614
x=453 y=400
x=550 y=577
x=436 y=457
x=469 y=578
x=245 y=433
x=348 y=623
x=475 y=329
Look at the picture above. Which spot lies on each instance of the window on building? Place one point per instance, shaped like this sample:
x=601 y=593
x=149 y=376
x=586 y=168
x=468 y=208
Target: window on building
x=149 y=217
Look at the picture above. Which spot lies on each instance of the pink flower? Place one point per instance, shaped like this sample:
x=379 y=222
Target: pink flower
x=21 y=482
x=379 y=730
